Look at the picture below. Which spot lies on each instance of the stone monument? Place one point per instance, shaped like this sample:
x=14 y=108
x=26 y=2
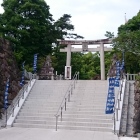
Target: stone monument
x=46 y=72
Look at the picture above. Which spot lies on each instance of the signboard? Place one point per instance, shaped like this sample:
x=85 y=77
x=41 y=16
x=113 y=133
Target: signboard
x=84 y=47
x=68 y=72
x=111 y=97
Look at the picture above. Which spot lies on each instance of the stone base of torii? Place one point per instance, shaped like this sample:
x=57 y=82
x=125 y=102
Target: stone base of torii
x=85 y=48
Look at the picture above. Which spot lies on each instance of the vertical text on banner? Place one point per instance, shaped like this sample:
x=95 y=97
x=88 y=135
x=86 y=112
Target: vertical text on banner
x=111 y=97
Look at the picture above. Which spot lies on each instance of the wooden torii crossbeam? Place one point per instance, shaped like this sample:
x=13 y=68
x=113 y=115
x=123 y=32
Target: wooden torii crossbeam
x=85 y=48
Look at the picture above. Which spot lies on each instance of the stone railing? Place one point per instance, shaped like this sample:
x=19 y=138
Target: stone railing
x=29 y=75
x=131 y=77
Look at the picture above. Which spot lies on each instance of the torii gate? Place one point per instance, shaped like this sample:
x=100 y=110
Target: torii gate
x=85 y=48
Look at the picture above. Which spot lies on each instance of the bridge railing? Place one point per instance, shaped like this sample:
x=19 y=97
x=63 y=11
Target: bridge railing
x=66 y=98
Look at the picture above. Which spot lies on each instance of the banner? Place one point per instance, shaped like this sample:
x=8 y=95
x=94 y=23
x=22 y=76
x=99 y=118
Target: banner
x=118 y=72
x=122 y=66
x=6 y=95
x=22 y=78
x=111 y=97
x=35 y=63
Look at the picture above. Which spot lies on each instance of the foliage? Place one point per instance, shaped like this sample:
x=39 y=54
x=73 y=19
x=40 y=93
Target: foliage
x=109 y=34
x=63 y=26
x=127 y=41
x=30 y=27
x=138 y=78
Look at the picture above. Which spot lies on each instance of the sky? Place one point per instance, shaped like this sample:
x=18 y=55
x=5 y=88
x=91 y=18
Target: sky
x=92 y=18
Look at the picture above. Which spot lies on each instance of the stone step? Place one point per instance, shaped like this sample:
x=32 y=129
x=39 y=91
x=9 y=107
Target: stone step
x=90 y=102
x=68 y=109
x=103 y=129
x=102 y=120
x=42 y=103
x=45 y=106
x=100 y=106
x=56 y=108
x=45 y=95
x=89 y=97
x=85 y=111
x=66 y=115
x=68 y=123
x=65 y=112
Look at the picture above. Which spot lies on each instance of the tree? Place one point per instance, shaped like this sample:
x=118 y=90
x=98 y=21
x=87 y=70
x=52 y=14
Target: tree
x=30 y=28
x=63 y=26
x=90 y=65
x=28 y=25
x=128 y=41
x=128 y=36
x=109 y=34
x=63 y=30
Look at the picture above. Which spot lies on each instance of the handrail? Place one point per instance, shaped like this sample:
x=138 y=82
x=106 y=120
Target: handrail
x=24 y=88
x=115 y=117
x=15 y=102
x=67 y=94
x=118 y=104
x=116 y=107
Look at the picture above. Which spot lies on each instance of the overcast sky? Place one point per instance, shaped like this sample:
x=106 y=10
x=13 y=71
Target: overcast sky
x=92 y=18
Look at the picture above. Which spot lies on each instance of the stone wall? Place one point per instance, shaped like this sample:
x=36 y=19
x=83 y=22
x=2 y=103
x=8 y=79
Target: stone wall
x=8 y=68
x=136 y=118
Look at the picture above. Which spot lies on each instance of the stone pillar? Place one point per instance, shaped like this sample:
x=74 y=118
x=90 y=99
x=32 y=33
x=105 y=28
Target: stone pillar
x=68 y=62
x=102 y=62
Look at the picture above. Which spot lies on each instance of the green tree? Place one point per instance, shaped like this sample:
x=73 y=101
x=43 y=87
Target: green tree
x=27 y=24
x=128 y=41
x=109 y=34
x=90 y=65
x=64 y=30
x=63 y=26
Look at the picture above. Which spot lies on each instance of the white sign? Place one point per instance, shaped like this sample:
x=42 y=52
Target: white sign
x=68 y=72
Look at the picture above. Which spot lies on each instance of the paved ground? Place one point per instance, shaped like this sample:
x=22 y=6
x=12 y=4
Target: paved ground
x=45 y=134
x=128 y=138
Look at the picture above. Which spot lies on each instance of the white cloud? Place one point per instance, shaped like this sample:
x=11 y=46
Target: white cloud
x=92 y=18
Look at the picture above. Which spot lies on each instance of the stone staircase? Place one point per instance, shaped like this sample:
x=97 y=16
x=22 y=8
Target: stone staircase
x=85 y=111
x=41 y=105
x=126 y=128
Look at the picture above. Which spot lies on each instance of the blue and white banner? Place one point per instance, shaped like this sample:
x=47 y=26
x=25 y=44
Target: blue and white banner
x=118 y=72
x=22 y=78
x=6 y=95
x=111 y=97
x=122 y=65
x=35 y=63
